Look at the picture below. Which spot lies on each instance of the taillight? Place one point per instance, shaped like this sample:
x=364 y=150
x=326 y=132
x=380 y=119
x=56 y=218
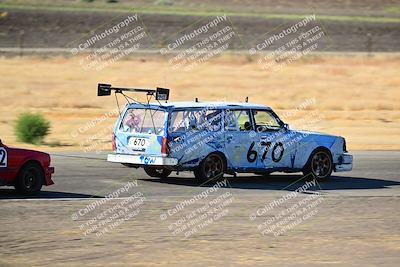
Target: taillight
x=164 y=146
x=114 y=147
x=344 y=145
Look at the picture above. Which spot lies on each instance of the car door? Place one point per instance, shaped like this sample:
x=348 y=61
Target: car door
x=272 y=141
x=239 y=140
x=194 y=134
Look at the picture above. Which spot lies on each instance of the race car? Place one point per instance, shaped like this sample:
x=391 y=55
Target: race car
x=26 y=170
x=213 y=138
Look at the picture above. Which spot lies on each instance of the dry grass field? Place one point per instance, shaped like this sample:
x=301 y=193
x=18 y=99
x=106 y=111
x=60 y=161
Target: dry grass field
x=355 y=96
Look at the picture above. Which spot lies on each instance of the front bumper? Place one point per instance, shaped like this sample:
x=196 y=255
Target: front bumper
x=345 y=163
x=142 y=159
x=48 y=173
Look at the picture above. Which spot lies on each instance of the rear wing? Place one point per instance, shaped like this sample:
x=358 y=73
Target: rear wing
x=160 y=93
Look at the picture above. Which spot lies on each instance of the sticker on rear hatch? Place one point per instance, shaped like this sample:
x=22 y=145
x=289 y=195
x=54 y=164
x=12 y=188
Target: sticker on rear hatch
x=138 y=143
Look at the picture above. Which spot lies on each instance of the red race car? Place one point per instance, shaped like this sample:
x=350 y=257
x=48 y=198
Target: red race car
x=27 y=170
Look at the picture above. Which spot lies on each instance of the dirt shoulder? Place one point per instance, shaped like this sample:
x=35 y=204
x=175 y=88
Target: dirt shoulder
x=355 y=97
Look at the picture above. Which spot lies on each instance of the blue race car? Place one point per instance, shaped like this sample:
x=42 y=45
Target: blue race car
x=213 y=138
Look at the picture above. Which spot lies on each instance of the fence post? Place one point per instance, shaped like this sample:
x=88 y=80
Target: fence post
x=21 y=42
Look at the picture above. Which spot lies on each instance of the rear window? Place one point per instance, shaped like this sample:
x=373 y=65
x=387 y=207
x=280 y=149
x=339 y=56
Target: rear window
x=148 y=121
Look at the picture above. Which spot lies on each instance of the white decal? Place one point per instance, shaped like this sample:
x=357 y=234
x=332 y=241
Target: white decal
x=138 y=143
x=3 y=157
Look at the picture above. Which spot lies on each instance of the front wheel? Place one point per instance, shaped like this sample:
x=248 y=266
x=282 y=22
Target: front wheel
x=159 y=172
x=212 y=167
x=319 y=165
x=30 y=179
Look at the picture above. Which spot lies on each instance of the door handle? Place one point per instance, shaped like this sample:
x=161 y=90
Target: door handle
x=177 y=139
x=229 y=138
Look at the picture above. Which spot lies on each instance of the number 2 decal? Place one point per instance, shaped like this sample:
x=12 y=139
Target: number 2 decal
x=3 y=158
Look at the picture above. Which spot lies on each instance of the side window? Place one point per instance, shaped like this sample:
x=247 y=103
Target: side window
x=212 y=120
x=238 y=120
x=265 y=121
x=195 y=120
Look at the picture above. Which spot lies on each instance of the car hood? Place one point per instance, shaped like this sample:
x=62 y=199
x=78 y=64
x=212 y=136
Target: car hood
x=310 y=135
x=314 y=133
x=28 y=153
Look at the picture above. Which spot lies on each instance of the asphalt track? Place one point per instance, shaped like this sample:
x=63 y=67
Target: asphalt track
x=81 y=175
x=356 y=224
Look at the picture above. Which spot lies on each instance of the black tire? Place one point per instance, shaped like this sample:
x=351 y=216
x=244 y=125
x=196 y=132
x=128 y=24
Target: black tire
x=319 y=165
x=210 y=168
x=30 y=179
x=159 y=172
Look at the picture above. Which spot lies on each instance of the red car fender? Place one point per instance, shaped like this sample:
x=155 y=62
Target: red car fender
x=17 y=158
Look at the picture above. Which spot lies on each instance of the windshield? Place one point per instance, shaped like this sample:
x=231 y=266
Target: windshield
x=148 y=121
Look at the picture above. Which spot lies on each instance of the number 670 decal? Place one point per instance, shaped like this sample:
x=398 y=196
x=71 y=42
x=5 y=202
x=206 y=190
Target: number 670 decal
x=252 y=154
x=3 y=157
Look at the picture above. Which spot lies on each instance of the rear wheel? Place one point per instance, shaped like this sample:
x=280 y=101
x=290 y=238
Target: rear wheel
x=212 y=167
x=159 y=172
x=30 y=179
x=319 y=165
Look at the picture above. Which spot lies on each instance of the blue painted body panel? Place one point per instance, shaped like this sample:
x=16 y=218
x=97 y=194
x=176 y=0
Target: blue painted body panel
x=247 y=151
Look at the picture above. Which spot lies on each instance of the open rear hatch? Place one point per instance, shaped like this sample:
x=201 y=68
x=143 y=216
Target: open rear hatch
x=140 y=135
x=141 y=131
